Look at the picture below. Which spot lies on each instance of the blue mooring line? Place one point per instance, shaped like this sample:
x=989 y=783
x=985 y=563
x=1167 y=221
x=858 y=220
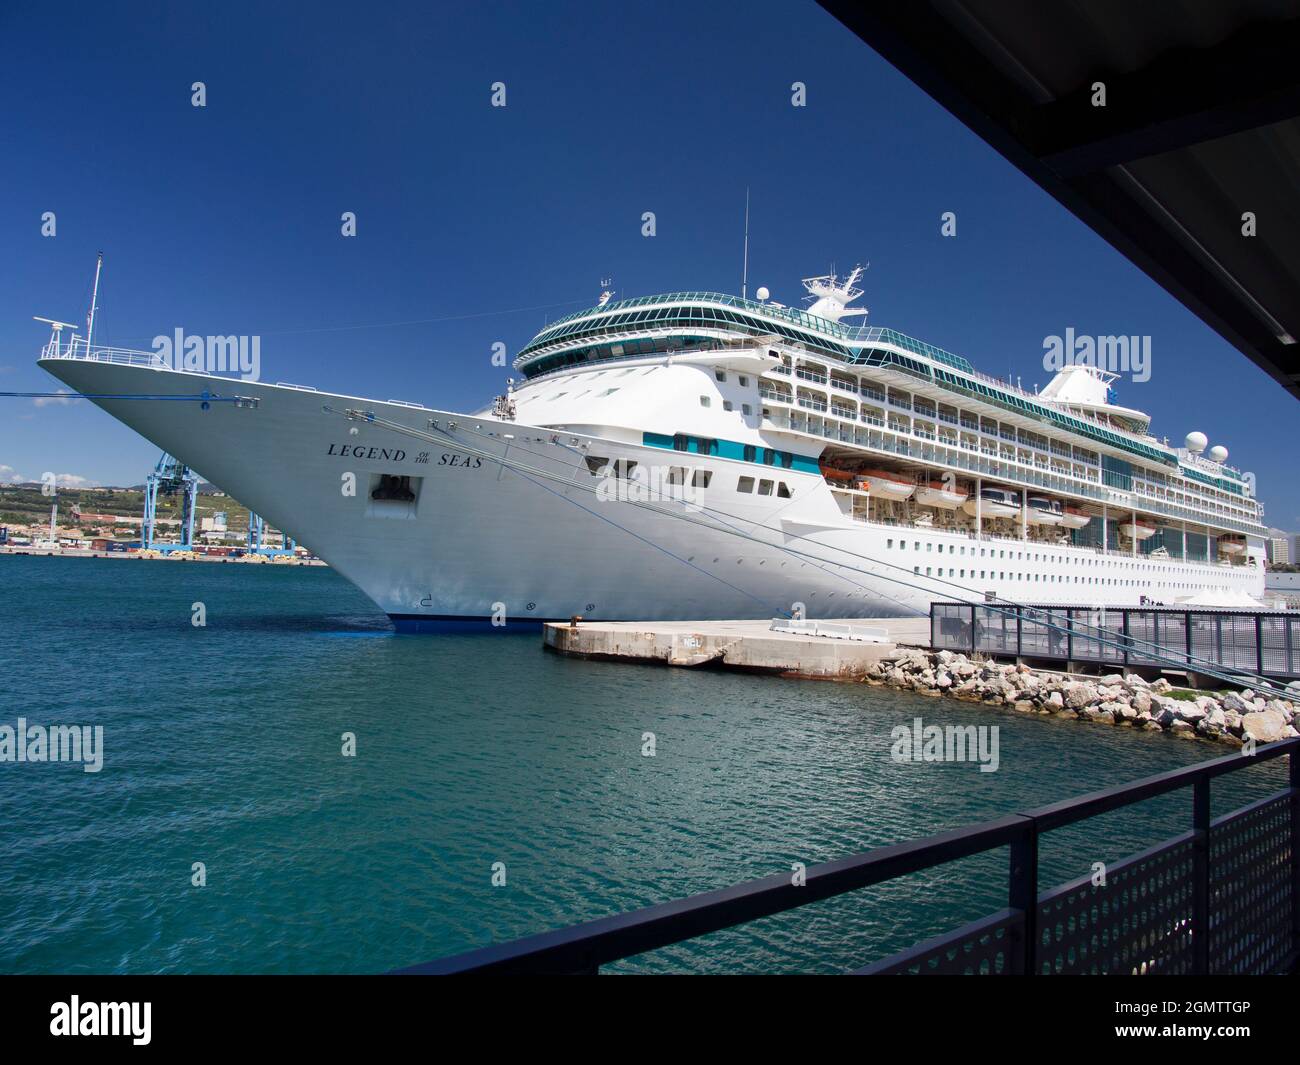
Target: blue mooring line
x=202 y=398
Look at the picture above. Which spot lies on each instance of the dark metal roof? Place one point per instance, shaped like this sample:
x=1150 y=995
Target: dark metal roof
x=1199 y=127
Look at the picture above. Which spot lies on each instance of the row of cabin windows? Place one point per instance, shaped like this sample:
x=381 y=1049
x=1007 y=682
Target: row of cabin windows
x=721 y=375
x=681 y=475
x=745 y=408
x=750 y=452
x=771 y=457
x=1050 y=578
x=699 y=444
x=625 y=468
x=1033 y=556
x=746 y=484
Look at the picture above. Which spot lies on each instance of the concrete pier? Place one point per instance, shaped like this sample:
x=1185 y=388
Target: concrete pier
x=741 y=645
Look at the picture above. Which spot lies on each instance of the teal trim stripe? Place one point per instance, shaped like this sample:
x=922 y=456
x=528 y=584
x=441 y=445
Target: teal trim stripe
x=729 y=449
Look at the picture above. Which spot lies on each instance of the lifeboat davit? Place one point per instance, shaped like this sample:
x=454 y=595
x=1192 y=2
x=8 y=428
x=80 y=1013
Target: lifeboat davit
x=994 y=503
x=1232 y=545
x=886 y=485
x=1139 y=530
x=1074 y=518
x=937 y=494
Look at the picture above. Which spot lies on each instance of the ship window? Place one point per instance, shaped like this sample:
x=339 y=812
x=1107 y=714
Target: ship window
x=745 y=484
x=744 y=382
x=769 y=457
x=750 y=452
x=676 y=474
x=624 y=468
x=702 y=478
x=705 y=401
x=783 y=490
x=745 y=409
x=681 y=442
x=765 y=488
x=607 y=392
x=726 y=405
x=596 y=464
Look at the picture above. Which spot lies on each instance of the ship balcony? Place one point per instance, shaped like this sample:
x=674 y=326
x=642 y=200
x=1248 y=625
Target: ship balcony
x=897 y=439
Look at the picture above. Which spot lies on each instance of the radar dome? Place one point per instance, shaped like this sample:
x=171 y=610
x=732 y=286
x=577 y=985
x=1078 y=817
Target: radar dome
x=1196 y=442
x=1219 y=453
x=762 y=293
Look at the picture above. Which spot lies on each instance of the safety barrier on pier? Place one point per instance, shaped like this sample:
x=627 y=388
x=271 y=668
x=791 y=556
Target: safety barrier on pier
x=1265 y=644
x=1223 y=897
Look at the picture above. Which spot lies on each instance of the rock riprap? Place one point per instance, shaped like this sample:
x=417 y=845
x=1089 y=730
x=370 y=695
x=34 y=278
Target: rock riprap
x=1116 y=699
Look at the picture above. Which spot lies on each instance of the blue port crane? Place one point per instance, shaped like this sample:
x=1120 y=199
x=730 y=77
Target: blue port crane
x=170 y=477
x=257 y=538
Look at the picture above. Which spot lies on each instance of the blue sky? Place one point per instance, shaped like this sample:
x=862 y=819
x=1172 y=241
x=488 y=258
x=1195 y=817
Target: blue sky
x=476 y=224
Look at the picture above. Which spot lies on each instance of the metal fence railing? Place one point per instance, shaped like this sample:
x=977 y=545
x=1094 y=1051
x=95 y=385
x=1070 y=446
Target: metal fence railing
x=1266 y=644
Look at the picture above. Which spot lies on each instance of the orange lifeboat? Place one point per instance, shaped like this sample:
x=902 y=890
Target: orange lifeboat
x=832 y=473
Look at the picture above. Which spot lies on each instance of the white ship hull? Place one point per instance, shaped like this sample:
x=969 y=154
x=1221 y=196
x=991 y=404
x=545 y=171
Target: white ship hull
x=485 y=539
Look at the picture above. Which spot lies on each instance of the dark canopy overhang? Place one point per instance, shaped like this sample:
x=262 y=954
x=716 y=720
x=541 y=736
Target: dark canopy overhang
x=1198 y=129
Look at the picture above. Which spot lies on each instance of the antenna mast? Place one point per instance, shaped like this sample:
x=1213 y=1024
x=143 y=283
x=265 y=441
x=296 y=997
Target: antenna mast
x=94 y=300
x=744 y=277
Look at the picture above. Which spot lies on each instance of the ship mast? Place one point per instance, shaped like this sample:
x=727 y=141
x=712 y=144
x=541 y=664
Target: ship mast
x=744 y=276
x=94 y=300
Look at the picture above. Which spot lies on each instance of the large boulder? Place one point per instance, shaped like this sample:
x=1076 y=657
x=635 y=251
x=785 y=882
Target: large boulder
x=1238 y=702
x=1079 y=694
x=1264 y=726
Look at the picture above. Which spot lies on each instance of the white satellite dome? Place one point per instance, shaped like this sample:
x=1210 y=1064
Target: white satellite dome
x=762 y=292
x=1219 y=453
x=1196 y=442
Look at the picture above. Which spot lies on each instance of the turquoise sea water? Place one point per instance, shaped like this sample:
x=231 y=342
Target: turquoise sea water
x=222 y=746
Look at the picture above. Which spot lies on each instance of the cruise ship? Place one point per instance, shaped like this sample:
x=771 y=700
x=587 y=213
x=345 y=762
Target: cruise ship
x=697 y=455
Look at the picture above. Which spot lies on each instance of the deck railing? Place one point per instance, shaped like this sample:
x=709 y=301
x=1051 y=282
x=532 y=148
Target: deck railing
x=1222 y=897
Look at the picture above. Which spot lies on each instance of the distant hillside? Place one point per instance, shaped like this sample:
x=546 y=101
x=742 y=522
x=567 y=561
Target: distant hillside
x=24 y=504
